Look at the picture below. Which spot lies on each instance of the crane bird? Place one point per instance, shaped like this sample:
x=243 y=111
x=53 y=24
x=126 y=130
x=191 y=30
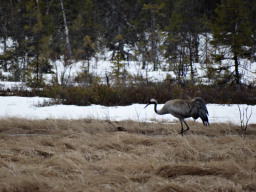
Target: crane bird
x=182 y=109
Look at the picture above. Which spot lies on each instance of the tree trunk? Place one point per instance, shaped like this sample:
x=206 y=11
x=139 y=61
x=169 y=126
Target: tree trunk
x=37 y=62
x=143 y=50
x=5 y=60
x=17 y=69
x=5 y=38
x=196 y=47
x=190 y=49
x=37 y=47
x=121 y=45
x=154 y=46
x=68 y=48
x=144 y=62
x=237 y=75
x=207 y=57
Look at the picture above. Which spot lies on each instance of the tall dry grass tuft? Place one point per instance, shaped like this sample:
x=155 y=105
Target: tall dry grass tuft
x=91 y=155
x=221 y=169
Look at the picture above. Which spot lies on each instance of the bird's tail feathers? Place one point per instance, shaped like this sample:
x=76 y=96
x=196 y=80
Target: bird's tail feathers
x=202 y=111
x=203 y=114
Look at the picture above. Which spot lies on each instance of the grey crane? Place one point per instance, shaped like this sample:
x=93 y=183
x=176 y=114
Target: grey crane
x=184 y=109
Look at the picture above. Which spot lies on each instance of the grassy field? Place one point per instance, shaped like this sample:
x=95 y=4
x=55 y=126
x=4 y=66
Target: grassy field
x=90 y=155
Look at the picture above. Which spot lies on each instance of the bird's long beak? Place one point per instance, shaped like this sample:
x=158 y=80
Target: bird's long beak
x=147 y=105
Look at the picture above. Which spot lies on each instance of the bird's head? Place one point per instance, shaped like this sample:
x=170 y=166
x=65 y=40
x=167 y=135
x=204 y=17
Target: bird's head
x=151 y=101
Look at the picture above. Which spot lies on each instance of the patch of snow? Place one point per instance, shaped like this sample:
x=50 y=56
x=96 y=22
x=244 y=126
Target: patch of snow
x=4 y=85
x=28 y=107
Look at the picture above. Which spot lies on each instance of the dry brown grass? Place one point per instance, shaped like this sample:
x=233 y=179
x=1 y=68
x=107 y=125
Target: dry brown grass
x=90 y=155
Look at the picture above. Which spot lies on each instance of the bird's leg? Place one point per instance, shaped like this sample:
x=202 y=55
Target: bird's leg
x=187 y=126
x=181 y=131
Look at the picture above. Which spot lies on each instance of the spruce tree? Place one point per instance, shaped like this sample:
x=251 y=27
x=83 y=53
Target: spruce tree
x=231 y=27
x=183 y=40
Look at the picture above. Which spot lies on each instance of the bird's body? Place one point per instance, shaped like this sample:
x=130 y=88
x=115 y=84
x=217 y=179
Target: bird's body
x=183 y=109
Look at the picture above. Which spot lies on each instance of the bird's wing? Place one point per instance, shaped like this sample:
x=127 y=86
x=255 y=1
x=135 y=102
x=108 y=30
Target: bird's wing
x=179 y=108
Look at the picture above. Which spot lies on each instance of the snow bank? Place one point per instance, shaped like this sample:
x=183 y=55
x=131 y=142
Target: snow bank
x=29 y=108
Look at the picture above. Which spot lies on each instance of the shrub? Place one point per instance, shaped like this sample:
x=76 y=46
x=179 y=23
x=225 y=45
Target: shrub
x=139 y=93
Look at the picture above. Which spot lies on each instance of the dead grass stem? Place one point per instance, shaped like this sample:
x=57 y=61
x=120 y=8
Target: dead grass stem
x=92 y=155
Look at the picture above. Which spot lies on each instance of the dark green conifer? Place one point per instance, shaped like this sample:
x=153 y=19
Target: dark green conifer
x=231 y=27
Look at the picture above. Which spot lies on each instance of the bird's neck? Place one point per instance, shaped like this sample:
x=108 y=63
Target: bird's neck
x=155 y=104
x=159 y=112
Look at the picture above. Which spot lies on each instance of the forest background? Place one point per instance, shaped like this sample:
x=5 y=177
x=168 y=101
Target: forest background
x=163 y=34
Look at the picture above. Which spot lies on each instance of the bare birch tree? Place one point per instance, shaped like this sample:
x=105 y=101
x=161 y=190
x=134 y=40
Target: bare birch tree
x=65 y=29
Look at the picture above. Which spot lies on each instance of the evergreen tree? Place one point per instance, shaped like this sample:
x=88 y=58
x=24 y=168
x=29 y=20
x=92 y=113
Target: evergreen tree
x=38 y=30
x=84 y=31
x=5 y=18
x=184 y=27
x=113 y=19
x=150 y=27
x=232 y=28
x=251 y=4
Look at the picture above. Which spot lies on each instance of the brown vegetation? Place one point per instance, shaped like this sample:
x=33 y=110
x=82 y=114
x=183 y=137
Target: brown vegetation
x=140 y=92
x=90 y=155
